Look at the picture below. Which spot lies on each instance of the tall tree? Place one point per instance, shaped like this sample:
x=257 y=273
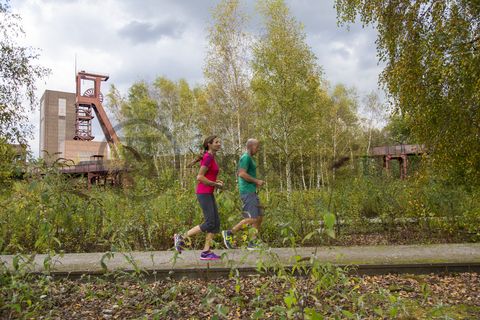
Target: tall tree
x=139 y=112
x=342 y=122
x=398 y=129
x=373 y=112
x=157 y=119
x=158 y=122
x=18 y=76
x=176 y=113
x=227 y=74
x=431 y=49
x=285 y=82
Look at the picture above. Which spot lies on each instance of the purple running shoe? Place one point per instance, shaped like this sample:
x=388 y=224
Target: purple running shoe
x=209 y=255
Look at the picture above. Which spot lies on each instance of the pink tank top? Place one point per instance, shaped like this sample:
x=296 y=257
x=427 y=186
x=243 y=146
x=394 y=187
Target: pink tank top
x=208 y=161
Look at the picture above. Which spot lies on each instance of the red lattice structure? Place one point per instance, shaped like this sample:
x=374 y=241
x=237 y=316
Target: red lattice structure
x=83 y=122
x=88 y=102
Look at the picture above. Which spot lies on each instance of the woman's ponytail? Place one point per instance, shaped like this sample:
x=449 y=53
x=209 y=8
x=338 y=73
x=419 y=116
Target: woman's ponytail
x=198 y=158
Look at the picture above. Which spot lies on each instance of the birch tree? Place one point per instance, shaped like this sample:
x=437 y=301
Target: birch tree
x=227 y=75
x=18 y=77
x=285 y=81
x=431 y=51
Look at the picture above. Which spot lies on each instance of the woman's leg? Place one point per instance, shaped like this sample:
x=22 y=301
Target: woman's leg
x=195 y=230
x=208 y=241
x=215 y=218
x=212 y=220
x=179 y=239
x=207 y=207
x=210 y=226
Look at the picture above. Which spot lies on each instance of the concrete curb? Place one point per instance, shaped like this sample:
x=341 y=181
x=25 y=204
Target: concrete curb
x=363 y=259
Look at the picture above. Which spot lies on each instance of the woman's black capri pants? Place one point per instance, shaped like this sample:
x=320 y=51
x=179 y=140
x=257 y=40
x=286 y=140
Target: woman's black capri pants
x=210 y=213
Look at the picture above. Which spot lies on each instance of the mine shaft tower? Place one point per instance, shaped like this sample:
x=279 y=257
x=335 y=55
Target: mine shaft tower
x=87 y=102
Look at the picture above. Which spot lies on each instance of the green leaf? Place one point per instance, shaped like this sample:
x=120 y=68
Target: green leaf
x=330 y=233
x=309 y=236
x=222 y=310
x=312 y=314
x=348 y=314
x=329 y=220
x=378 y=311
x=258 y=314
x=288 y=301
x=393 y=312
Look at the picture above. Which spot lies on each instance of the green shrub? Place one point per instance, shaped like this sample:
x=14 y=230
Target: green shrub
x=53 y=212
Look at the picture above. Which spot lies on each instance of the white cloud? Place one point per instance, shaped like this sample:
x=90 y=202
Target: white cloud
x=139 y=40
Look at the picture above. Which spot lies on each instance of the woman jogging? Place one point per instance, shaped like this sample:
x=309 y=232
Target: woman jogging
x=207 y=181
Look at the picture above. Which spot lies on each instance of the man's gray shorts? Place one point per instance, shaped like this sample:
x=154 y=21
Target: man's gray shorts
x=251 y=205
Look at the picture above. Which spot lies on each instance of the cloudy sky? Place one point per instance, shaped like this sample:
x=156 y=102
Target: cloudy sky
x=133 y=40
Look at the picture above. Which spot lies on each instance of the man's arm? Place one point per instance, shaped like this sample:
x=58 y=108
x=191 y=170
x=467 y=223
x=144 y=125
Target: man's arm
x=244 y=175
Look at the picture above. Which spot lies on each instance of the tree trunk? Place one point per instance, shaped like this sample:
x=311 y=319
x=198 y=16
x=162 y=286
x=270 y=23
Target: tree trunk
x=319 y=163
x=351 y=159
x=281 y=175
x=334 y=143
x=325 y=180
x=288 y=176
x=319 y=174
x=174 y=160
x=288 y=173
x=311 y=176
x=265 y=170
x=303 y=170
x=239 y=135
x=155 y=163
x=184 y=179
x=369 y=140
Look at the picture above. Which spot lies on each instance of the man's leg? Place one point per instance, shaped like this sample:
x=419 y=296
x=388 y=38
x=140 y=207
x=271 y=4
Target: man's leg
x=257 y=213
x=227 y=235
x=257 y=223
x=242 y=223
x=251 y=211
x=254 y=222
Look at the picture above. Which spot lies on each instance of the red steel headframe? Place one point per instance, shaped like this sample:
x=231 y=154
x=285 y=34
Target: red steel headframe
x=85 y=102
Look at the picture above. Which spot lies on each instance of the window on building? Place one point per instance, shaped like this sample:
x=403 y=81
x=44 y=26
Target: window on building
x=62 y=107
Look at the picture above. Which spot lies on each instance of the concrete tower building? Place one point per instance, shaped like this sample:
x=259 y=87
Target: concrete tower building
x=57 y=123
x=57 y=130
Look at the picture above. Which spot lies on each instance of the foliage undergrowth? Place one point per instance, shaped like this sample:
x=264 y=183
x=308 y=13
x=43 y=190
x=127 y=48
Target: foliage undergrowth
x=52 y=212
x=304 y=288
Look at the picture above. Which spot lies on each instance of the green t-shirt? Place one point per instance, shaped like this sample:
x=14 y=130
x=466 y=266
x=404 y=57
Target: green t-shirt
x=246 y=162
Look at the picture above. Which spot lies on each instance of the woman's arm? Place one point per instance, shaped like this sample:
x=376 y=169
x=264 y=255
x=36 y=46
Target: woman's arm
x=201 y=178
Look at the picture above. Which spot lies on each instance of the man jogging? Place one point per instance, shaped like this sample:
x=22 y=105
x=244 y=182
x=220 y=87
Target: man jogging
x=247 y=184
